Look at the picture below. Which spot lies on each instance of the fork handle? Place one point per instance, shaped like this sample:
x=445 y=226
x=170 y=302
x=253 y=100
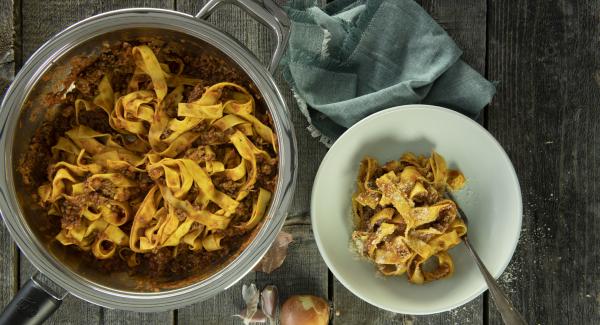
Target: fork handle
x=509 y=314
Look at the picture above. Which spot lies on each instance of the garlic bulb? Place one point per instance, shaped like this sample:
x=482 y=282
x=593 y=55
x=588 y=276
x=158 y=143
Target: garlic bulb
x=304 y=310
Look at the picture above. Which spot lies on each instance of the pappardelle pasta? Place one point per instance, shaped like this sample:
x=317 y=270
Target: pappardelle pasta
x=402 y=218
x=167 y=171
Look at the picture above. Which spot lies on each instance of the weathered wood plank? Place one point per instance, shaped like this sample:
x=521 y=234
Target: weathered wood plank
x=8 y=267
x=218 y=310
x=111 y=316
x=546 y=117
x=7 y=54
x=236 y=22
x=43 y=19
x=40 y=21
x=349 y=309
x=303 y=271
x=465 y=21
x=8 y=252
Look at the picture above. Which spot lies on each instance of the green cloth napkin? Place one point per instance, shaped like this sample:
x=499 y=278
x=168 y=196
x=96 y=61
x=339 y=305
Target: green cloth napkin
x=354 y=58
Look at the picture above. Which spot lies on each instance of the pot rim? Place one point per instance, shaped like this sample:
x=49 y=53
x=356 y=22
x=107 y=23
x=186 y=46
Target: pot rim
x=71 y=38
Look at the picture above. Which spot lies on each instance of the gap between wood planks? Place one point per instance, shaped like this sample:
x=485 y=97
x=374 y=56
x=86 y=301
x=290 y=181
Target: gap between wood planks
x=17 y=36
x=486 y=296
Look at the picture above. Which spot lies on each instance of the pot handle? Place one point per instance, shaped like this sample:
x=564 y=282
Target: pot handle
x=266 y=12
x=32 y=305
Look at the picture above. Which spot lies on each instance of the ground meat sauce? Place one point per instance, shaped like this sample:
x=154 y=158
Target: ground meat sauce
x=117 y=59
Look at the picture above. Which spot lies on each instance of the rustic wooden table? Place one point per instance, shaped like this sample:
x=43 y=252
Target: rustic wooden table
x=544 y=55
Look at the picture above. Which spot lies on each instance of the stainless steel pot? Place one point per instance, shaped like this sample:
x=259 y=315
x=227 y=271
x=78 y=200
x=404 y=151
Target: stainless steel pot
x=22 y=113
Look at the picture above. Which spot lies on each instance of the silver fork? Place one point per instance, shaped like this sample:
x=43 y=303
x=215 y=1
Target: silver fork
x=509 y=314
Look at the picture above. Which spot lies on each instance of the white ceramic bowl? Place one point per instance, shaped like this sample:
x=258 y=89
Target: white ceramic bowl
x=491 y=200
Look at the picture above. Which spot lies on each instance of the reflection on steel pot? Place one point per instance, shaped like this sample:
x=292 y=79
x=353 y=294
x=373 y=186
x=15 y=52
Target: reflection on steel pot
x=21 y=116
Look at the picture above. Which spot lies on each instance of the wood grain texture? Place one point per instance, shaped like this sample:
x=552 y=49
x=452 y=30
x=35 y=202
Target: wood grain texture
x=218 y=310
x=40 y=21
x=545 y=56
x=465 y=21
x=43 y=19
x=303 y=272
x=8 y=251
x=7 y=36
x=8 y=267
x=349 y=309
x=120 y=317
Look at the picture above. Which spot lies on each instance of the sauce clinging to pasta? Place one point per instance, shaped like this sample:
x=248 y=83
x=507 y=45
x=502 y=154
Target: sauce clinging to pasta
x=402 y=218
x=170 y=173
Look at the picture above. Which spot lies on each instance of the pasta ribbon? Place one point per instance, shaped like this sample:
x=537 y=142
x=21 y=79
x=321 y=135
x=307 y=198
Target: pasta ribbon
x=264 y=197
x=170 y=174
x=402 y=219
x=146 y=61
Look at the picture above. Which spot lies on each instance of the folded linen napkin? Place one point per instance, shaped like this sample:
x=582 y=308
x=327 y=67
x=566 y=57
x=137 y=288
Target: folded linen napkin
x=354 y=58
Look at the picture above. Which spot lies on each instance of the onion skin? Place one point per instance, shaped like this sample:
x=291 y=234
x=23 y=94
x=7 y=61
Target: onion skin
x=304 y=310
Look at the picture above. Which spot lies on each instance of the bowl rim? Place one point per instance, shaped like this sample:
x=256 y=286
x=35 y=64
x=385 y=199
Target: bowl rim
x=395 y=110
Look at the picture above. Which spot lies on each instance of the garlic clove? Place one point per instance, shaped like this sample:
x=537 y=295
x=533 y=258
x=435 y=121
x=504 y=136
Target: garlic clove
x=269 y=302
x=251 y=295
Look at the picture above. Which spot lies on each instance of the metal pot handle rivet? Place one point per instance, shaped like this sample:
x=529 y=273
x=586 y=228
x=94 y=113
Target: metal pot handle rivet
x=266 y=12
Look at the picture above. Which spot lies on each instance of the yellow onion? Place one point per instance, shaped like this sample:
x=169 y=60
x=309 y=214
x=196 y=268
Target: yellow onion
x=304 y=310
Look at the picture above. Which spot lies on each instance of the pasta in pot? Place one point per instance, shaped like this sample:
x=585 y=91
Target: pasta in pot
x=152 y=181
x=402 y=218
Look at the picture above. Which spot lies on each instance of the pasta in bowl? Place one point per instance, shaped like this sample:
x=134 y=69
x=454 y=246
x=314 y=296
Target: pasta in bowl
x=402 y=217
x=341 y=217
